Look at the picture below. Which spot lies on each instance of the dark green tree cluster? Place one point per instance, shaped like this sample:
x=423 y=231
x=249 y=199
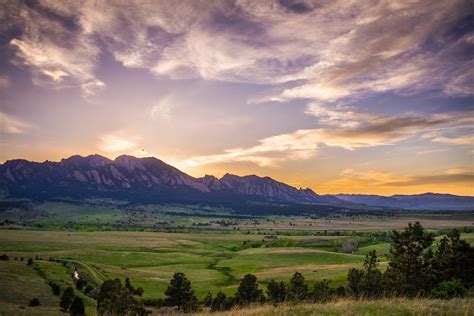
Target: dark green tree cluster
x=71 y=303
x=414 y=269
x=117 y=299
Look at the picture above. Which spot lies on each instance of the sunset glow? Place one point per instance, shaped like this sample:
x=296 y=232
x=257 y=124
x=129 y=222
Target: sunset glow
x=341 y=97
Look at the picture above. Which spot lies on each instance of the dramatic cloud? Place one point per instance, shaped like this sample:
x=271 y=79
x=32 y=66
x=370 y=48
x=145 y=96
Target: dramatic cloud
x=335 y=49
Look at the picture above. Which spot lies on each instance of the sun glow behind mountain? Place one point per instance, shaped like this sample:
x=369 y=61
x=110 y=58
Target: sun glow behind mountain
x=339 y=97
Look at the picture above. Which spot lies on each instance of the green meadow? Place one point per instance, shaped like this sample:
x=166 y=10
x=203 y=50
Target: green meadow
x=213 y=261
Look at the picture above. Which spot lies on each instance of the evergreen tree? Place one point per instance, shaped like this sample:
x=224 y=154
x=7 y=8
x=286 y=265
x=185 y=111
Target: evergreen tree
x=181 y=294
x=116 y=299
x=276 y=291
x=248 y=291
x=322 y=292
x=408 y=269
x=372 y=281
x=221 y=303
x=297 y=290
x=67 y=298
x=454 y=259
x=77 y=307
x=355 y=278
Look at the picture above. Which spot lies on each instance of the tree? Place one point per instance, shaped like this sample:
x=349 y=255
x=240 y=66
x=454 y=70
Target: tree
x=221 y=303
x=116 y=299
x=77 y=307
x=181 y=294
x=322 y=292
x=408 y=268
x=248 y=291
x=298 y=290
x=372 y=280
x=30 y=261
x=454 y=259
x=276 y=291
x=67 y=298
x=355 y=278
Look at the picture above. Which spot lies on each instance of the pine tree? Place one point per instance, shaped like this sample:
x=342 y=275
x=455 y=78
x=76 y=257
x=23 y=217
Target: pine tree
x=355 y=277
x=372 y=281
x=454 y=259
x=298 y=290
x=408 y=270
x=116 y=299
x=276 y=291
x=181 y=294
x=248 y=291
x=321 y=291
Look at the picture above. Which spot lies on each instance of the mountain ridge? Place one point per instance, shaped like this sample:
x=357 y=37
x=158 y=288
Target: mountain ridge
x=149 y=178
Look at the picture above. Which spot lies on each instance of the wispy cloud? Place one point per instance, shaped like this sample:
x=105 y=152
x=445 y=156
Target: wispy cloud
x=12 y=125
x=162 y=108
x=356 y=180
x=350 y=131
x=56 y=52
x=118 y=142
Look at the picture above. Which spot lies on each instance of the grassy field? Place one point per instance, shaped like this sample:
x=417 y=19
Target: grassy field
x=56 y=215
x=383 y=307
x=213 y=261
x=215 y=249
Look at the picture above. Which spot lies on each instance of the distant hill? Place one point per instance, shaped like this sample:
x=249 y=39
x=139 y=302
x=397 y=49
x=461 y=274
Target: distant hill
x=150 y=180
x=425 y=201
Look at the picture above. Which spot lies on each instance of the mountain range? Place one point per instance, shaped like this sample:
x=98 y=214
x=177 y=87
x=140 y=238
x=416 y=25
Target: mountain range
x=150 y=180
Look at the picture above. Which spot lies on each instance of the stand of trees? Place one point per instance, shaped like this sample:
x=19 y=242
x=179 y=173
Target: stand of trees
x=415 y=268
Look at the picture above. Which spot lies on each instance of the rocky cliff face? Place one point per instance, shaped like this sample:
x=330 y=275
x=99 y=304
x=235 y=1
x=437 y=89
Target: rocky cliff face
x=97 y=174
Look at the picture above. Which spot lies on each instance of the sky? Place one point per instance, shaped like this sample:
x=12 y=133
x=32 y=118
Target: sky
x=339 y=96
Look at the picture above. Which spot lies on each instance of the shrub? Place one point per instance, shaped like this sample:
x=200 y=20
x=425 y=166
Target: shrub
x=77 y=307
x=4 y=257
x=449 y=289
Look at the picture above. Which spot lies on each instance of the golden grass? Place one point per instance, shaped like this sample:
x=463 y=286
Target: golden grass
x=393 y=306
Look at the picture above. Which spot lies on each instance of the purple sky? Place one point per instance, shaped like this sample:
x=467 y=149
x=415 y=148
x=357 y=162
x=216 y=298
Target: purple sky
x=339 y=96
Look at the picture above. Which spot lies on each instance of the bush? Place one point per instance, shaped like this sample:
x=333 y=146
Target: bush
x=449 y=289
x=34 y=302
x=30 y=261
x=4 y=257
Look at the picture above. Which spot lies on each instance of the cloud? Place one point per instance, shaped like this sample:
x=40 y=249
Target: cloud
x=11 y=125
x=348 y=130
x=162 y=108
x=350 y=49
x=55 y=51
x=119 y=141
x=378 y=180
